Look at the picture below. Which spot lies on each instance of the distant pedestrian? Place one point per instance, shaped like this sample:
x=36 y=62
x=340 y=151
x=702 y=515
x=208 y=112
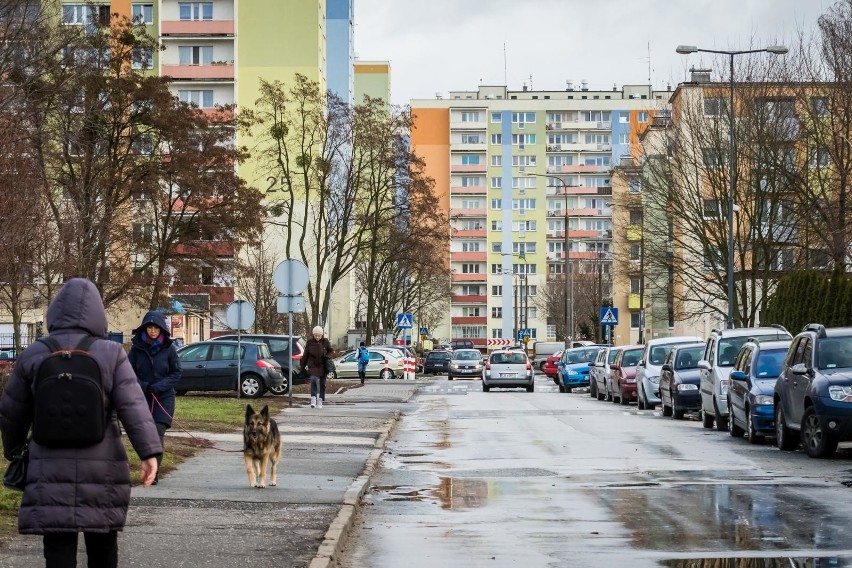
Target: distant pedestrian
x=155 y=360
x=79 y=489
x=363 y=359
x=317 y=350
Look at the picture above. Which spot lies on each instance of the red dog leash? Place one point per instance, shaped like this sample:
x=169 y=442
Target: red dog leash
x=201 y=442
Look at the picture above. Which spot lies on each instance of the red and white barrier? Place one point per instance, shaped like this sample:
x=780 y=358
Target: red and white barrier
x=499 y=342
x=409 y=367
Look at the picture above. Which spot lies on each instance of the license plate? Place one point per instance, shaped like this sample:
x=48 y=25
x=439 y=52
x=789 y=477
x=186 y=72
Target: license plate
x=508 y=374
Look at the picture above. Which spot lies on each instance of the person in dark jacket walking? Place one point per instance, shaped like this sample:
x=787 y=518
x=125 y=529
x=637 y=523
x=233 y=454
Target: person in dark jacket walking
x=82 y=489
x=317 y=350
x=155 y=360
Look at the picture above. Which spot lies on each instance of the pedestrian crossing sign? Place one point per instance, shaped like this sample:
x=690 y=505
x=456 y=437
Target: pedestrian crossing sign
x=609 y=316
x=404 y=321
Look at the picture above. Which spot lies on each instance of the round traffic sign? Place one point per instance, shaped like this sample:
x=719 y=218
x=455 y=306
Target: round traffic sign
x=290 y=276
x=240 y=315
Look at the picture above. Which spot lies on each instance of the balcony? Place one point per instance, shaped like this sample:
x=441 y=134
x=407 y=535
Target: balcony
x=199 y=72
x=469 y=145
x=470 y=277
x=634 y=232
x=633 y=302
x=480 y=256
x=197 y=27
x=469 y=320
x=475 y=168
x=456 y=212
x=456 y=299
x=460 y=233
x=475 y=190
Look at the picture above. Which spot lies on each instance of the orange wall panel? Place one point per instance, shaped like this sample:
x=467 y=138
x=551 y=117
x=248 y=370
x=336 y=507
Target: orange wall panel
x=430 y=139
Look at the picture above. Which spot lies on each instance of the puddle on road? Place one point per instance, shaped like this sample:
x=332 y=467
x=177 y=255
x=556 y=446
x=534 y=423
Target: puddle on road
x=817 y=562
x=728 y=517
x=450 y=493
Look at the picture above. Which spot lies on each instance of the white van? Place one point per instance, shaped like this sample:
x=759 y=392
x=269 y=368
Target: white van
x=544 y=349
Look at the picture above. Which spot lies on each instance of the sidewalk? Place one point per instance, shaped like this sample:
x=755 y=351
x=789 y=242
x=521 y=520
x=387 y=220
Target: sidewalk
x=205 y=514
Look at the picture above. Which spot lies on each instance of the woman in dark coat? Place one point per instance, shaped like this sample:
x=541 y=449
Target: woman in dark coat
x=317 y=349
x=73 y=490
x=155 y=360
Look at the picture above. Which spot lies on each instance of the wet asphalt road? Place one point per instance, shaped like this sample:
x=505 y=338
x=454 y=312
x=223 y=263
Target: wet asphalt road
x=510 y=478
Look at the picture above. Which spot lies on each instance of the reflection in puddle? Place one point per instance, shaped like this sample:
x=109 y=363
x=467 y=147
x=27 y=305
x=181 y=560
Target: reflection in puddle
x=461 y=493
x=757 y=562
x=729 y=517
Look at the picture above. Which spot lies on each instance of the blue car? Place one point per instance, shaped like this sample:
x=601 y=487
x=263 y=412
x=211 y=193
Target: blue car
x=574 y=367
x=750 y=396
x=679 y=379
x=813 y=394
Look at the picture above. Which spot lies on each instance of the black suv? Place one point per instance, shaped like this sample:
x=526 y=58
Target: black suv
x=813 y=395
x=285 y=349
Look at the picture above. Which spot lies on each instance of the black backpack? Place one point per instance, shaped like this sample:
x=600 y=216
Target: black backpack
x=70 y=407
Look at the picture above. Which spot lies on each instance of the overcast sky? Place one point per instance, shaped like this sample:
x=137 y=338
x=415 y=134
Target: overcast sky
x=435 y=46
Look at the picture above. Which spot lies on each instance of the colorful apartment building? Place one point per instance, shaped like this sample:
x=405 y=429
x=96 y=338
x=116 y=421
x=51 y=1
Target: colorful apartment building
x=513 y=168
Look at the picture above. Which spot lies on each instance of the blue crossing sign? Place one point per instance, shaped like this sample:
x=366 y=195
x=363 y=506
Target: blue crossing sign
x=522 y=333
x=609 y=316
x=405 y=321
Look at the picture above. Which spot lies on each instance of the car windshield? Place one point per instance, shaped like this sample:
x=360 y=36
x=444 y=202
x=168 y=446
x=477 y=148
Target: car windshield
x=581 y=356
x=769 y=363
x=835 y=353
x=730 y=346
x=467 y=355
x=687 y=358
x=613 y=353
x=439 y=355
x=508 y=358
x=631 y=358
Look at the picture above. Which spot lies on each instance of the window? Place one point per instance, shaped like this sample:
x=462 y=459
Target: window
x=496 y=290
x=596 y=138
x=523 y=204
x=643 y=117
x=496 y=312
x=471 y=204
x=472 y=139
x=635 y=252
x=470 y=246
x=524 y=269
x=597 y=160
x=143 y=232
x=497 y=160
x=819 y=106
x=523 y=160
x=555 y=246
x=712 y=258
x=469 y=268
x=470 y=116
x=496 y=225
x=524 y=225
x=470 y=159
x=522 y=117
x=496 y=247
x=523 y=247
x=820 y=157
x=471 y=181
x=533 y=313
x=496 y=269
x=590 y=181
x=523 y=182
x=195 y=353
x=496 y=182
x=497 y=204
x=713 y=157
x=195 y=10
x=496 y=139
x=555 y=268
x=471 y=225
x=715 y=106
x=470 y=290
x=142 y=13
x=497 y=333
x=635 y=285
x=635 y=217
x=596 y=116
x=624 y=138
x=224 y=352
x=522 y=139
x=711 y=208
x=143 y=58
x=634 y=320
x=496 y=117
x=195 y=54
x=470 y=312
x=202 y=99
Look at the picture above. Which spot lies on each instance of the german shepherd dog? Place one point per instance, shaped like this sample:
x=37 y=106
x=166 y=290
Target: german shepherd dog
x=261 y=445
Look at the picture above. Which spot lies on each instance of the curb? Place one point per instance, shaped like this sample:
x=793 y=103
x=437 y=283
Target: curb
x=334 y=542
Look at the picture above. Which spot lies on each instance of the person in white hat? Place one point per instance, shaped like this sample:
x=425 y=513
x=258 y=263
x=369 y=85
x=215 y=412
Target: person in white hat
x=317 y=349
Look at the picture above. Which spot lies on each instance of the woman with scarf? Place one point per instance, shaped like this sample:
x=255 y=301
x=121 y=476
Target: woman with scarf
x=155 y=360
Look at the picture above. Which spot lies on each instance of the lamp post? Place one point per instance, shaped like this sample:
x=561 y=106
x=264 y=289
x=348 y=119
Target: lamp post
x=776 y=50
x=566 y=267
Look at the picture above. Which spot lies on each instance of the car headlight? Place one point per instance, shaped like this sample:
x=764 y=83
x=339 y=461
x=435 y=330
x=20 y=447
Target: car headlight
x=654 y=380
x=683 y=387
x=840 y=393
x=454 y=367
x=763 y=399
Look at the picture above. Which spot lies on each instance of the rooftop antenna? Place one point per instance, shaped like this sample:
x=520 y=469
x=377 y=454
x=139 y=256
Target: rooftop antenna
x=531 y=87
x=505 y=80
x=649 y=62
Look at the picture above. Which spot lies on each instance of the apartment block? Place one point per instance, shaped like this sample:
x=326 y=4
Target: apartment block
x=516 y=170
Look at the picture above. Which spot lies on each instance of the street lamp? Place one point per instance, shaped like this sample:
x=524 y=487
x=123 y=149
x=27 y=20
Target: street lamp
x=566 y=267
x=776 y=50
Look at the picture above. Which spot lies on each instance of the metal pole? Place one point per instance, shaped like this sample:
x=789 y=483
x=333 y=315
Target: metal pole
x=515 y=286
x=731 y=147
x=642 y=277
x=566 y=268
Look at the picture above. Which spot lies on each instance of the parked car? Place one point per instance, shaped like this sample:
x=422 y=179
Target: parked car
x=437 y=362
x=721 y=350
x=285 y=349
x=813 y=394
x=599 y=374
x=679 y=378
x=461 y=344
x=466 y=363
x=621 y=386
x=550 y=369
x=575 y=365
x=751 y=396
x=648 y=371
x=212 y=366
x=383 y=364
x=544 y=349
x=508 y=369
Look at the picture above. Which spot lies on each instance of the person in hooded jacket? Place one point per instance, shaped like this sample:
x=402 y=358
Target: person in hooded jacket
x=155 y=360
x=81 y=489
x=317 y=349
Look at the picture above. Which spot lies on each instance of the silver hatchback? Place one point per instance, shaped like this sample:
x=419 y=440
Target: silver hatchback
x=508 y=369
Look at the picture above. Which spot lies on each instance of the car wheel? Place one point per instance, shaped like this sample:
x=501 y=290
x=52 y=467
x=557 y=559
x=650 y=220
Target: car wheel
x=640 y=400
x=753 y=437
x=485 y=387
x=386 y=374
x=531 y=388
x=734 y=430
x=677 y=413
x=601 y=395
x=561 y=388
x=593 y=389
x=667 y=410
x=449 y=377
x=623 y=400
x=568 y=389
x=609 y=396
x=785 y=438
x=706 y=419
x=721 y=421
x=280 y=390
x=251 y=386
x=541 y=367
x=818 y=443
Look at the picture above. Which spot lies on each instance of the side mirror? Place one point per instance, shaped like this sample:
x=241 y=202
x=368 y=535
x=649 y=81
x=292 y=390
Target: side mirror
x=641 y=363
x=738 y=376
x=704 y=365
x=800 y=369
x=667 y=367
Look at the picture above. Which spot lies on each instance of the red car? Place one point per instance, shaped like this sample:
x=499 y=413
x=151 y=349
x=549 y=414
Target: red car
x=622 y=376
x=549 y=366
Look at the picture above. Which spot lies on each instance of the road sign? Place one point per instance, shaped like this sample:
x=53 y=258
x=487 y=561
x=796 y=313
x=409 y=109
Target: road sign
x=523 y=333
x=290 y=276
x=240 y=315
x=424 y=331
x=290 y=304
x=405 y=321
x=609 y=316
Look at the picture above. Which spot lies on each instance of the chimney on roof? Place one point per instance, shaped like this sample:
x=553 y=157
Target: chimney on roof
x=585 y=85
x=525 y=86
x=569 y=85
x=699 y=75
